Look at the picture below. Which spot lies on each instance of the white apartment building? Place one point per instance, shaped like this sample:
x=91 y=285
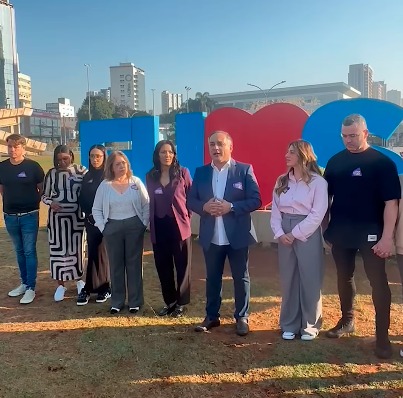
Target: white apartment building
x=394 y=96
x=128 y=86
x=360 y=77
x=103 y=92
x=170 y=101
x=62 y=106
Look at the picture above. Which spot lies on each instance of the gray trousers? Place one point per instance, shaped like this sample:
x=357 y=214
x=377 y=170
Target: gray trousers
x=124 y=243
x=301 y=276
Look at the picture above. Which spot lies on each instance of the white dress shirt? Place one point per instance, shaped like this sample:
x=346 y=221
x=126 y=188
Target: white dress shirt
x=219 y=183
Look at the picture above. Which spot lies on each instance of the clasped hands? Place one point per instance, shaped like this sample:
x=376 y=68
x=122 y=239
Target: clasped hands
x=217 y=207
x=287 y=239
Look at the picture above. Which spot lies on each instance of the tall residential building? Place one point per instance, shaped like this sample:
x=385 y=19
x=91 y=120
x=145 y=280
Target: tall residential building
x=8 y=57
x=24 y=91
x=170 y=101
x=360 y=77
x=103 y=92
x=394 y=96
x=62 y=106
x=128 y=86
x=379 y=90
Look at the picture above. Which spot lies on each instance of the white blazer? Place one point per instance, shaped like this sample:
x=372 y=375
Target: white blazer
x=139 y=197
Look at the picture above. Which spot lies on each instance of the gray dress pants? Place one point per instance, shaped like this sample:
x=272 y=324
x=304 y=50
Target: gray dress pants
x=124 y=243
x=301 y=275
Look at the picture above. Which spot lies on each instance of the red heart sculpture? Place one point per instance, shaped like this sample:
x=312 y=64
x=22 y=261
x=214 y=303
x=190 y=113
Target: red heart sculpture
x=260 y=139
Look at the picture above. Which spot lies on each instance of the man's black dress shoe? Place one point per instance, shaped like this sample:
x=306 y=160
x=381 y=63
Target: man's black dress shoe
x=242 y=327
x=207 y=324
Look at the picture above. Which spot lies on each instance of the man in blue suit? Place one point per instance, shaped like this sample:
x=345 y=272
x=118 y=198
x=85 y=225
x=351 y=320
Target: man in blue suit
x=224 y=193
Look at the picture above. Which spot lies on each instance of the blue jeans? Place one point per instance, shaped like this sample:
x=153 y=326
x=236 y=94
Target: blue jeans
x=23 y=231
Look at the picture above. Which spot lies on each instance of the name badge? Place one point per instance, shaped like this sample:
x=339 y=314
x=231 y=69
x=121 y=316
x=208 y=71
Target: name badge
x=372 y=238
x=22 y=175
x=158 y=191
x=134 y=186
x=238 y=185
x=357 y=173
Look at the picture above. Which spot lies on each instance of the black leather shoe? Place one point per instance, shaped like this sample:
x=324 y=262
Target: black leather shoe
x=207 y=324
x=168 y=309
x=341 y=329
x=242 y=327
x=178 y=311
x=384 y=351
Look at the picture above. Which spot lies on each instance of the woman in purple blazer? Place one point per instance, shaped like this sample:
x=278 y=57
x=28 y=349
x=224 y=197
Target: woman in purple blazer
x=168 y=184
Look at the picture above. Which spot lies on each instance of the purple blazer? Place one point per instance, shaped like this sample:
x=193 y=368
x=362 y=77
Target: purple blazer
x=181 y=212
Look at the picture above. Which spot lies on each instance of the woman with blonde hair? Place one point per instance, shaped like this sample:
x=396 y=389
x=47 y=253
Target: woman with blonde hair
x=300 y=202
x=121 y=212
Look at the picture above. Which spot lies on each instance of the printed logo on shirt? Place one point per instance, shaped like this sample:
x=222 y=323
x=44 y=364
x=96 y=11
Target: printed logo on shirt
x=134 y=186
x=238 y=185
x=357 y=173
x=158 y=191
x=22 y=175
x=90 y=181
x=286 y=189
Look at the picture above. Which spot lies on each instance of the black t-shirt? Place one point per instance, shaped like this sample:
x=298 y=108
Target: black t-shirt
x=359 y=183
x=19 y=182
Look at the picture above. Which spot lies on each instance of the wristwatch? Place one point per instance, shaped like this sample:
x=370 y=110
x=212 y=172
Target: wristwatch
x=232 y=207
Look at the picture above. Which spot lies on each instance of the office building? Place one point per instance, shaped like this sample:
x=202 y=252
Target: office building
x=308 y=98
x=128 y=86
x=360 y=77
x=8 y=57
x=62 y=106
x=24 y=91
x=379 y=90
x=170 y=102
x=43 y=126
x=103 y=93
x=394 y=96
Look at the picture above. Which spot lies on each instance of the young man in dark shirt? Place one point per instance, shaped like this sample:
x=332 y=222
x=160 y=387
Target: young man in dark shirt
x=21 y=182
x=364 y=189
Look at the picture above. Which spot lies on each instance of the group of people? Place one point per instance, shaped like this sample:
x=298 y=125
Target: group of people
x=353 y=206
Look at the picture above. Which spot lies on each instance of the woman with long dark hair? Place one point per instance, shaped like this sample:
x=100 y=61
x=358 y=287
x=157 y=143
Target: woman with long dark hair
x=299 y=205
x=61 y=191
x=97 y=278
x=168 y=185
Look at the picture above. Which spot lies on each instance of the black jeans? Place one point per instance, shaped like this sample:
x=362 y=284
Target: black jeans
x=375 y=270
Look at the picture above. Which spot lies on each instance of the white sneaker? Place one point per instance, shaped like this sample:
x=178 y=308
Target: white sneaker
x=288 y=336
x=308 y=337
x=59 y=293
x=80 y=285
x=18 y=291
x=28 y=297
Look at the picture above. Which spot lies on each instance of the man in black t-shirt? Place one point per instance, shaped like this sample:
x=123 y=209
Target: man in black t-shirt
x=21 y=182
x=364 y=189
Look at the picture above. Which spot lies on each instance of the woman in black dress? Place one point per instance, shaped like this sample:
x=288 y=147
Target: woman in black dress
x=97 y=277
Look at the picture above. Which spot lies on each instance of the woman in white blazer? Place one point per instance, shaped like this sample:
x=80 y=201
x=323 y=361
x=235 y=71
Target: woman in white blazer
x=121 y=212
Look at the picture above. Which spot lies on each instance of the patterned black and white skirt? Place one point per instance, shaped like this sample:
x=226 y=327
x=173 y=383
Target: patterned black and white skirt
x=65 y=234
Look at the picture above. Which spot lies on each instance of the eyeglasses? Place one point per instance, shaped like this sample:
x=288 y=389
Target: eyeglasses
x=93 y=156
x=345 y=136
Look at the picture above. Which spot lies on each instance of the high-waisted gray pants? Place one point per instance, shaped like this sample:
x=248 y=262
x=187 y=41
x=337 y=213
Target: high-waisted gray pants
x=301 y=275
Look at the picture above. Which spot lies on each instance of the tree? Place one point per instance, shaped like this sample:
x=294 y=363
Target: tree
x=101 y=109
x=201 y=103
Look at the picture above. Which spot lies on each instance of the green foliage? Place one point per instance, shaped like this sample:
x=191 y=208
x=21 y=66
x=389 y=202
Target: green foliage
x=101 y=109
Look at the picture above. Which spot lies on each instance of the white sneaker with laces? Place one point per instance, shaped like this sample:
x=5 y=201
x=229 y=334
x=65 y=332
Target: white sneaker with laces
x=59 y=293
x=28 y=297
x=288 y=336
x=18 y=291
x=80 y=285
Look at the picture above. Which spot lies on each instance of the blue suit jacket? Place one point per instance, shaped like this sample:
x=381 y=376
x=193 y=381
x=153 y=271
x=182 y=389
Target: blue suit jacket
x=241 y=190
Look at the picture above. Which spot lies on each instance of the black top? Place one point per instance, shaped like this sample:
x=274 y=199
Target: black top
x=360 y=183
x=19 y=182
x=89 y=188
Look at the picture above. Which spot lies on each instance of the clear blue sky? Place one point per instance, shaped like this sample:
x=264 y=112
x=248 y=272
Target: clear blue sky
x=212 y=45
